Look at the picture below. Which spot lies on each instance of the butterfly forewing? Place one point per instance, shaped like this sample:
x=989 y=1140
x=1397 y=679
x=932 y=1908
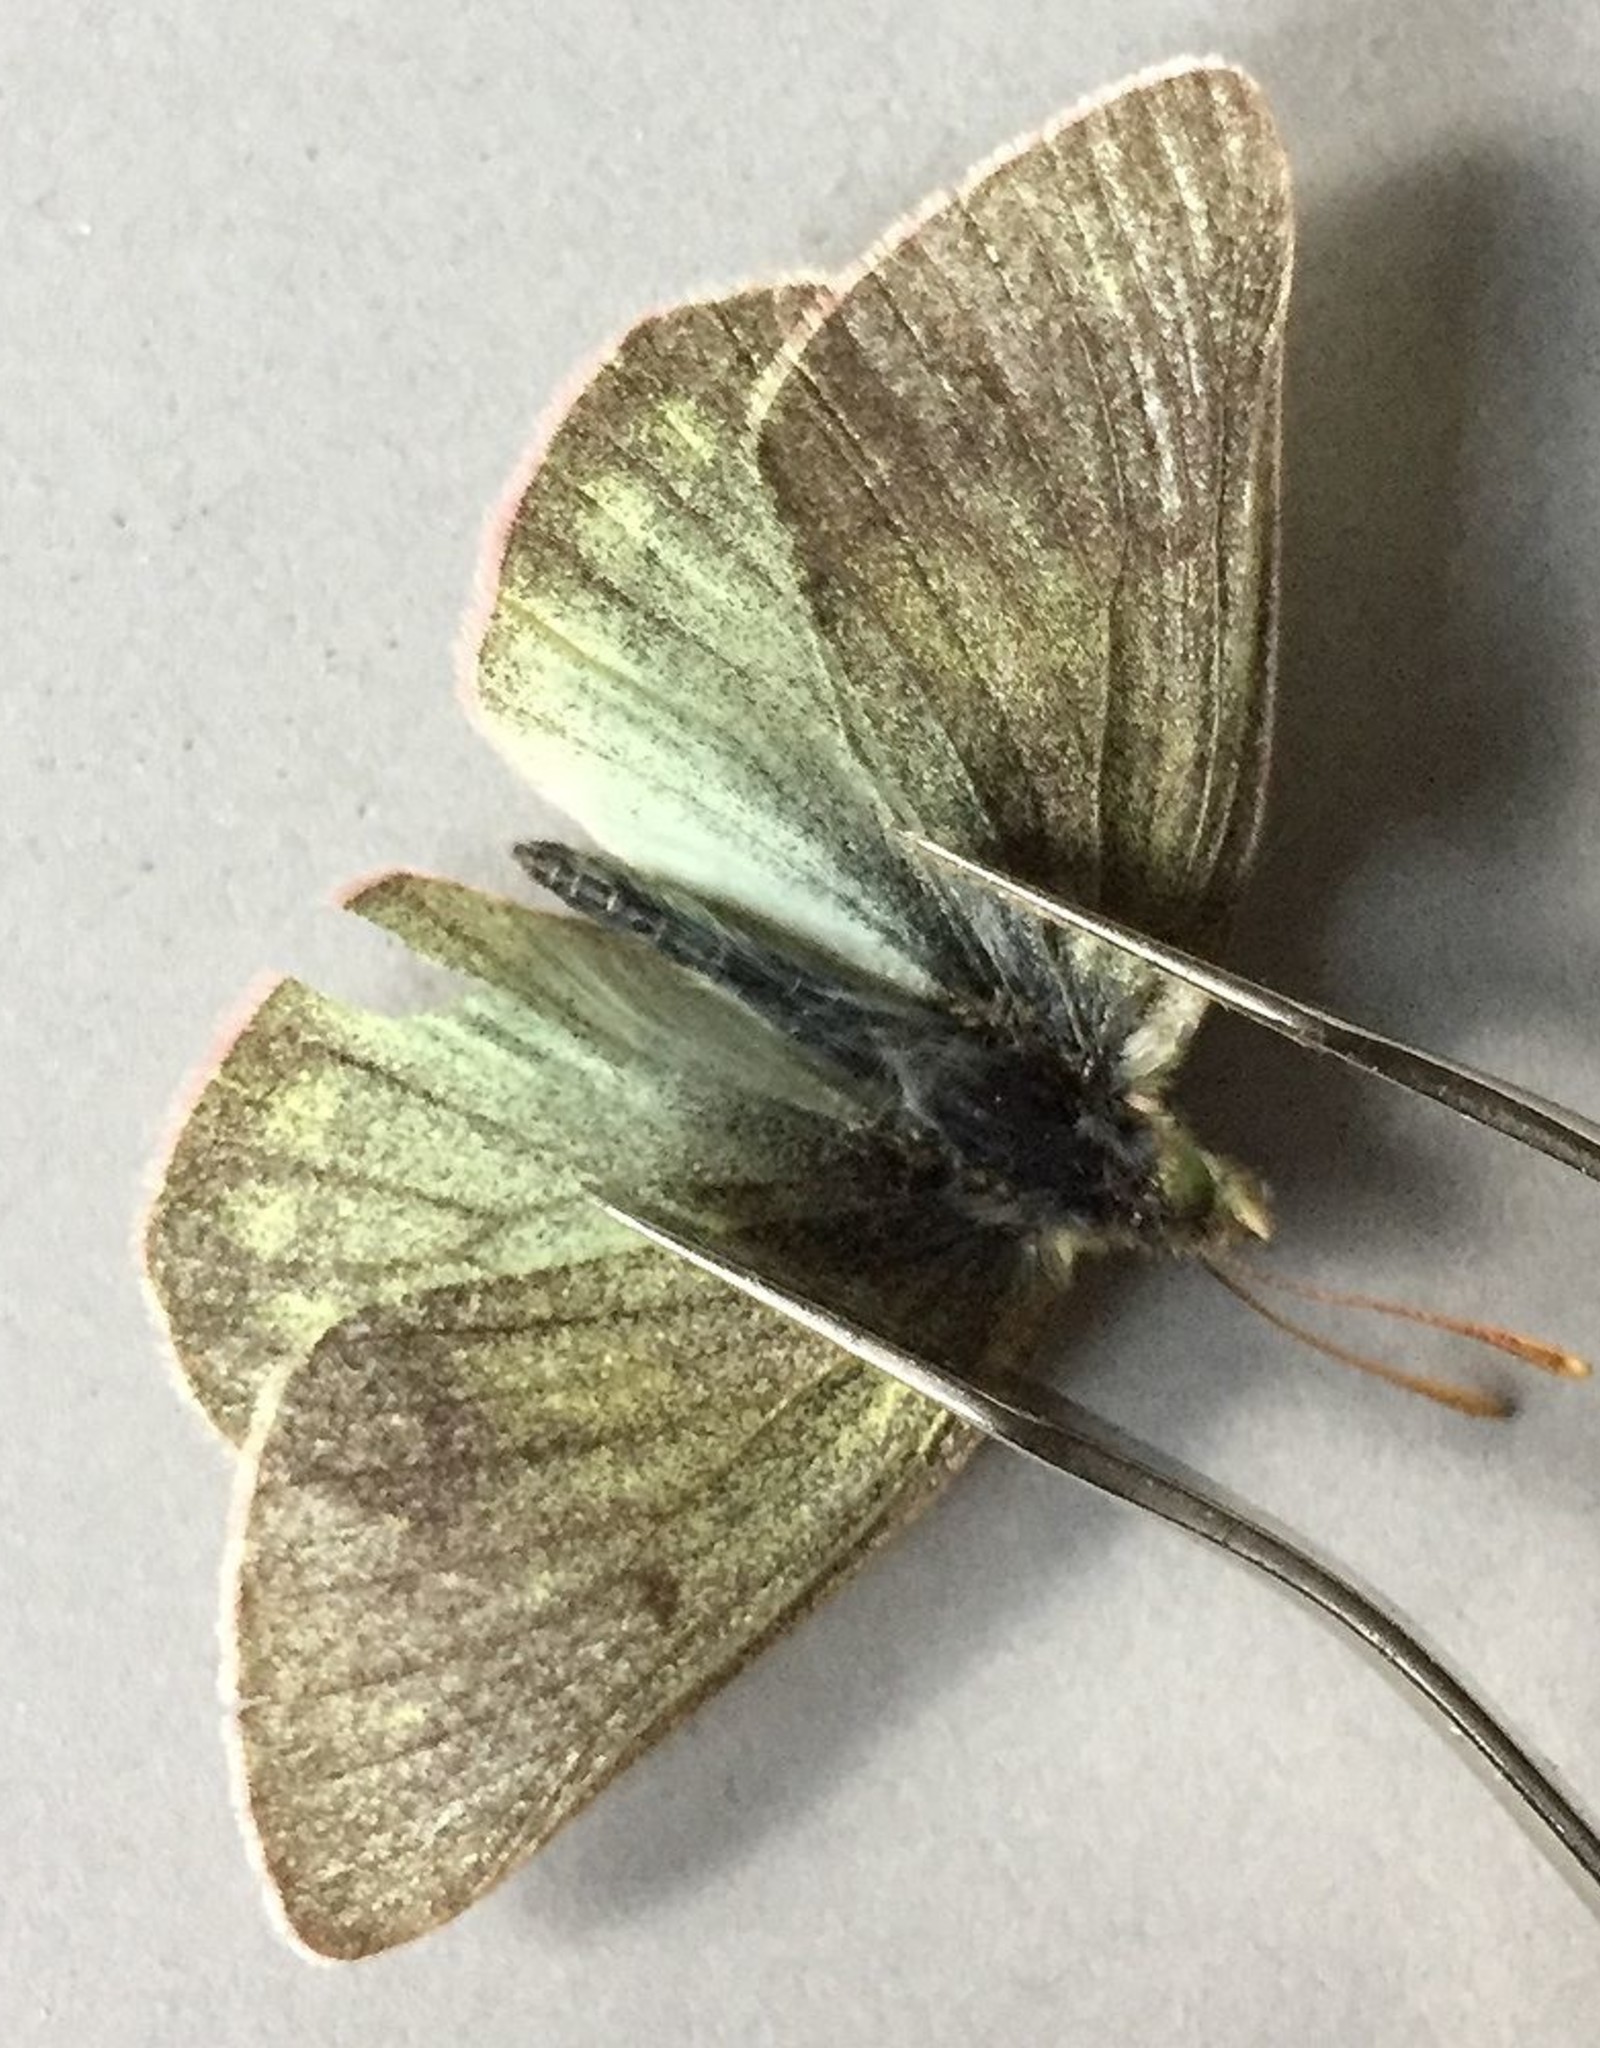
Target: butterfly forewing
x=1028 y=460
x=500 y=1539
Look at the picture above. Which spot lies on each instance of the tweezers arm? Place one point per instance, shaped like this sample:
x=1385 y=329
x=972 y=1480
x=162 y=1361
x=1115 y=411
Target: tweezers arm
x=1548 y=1128
x=1559 y=1133
x=1072 y=1440
x=1042 y=1424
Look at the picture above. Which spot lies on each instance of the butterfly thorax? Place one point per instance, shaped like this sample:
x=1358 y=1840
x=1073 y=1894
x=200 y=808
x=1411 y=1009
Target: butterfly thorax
x=1012 y=1130
x=1025 y=1140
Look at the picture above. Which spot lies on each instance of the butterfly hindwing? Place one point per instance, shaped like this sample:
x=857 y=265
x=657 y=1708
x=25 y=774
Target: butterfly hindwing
x=498 y=1540
x=982 y=544
x=336 y=1160
x=515 y=1491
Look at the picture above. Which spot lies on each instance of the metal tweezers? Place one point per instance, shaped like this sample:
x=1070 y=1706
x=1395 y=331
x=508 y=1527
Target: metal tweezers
x=1043 y=1424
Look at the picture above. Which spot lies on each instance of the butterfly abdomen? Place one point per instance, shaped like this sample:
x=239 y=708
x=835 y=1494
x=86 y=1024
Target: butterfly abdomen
x=597 y=890
x=818 y=1011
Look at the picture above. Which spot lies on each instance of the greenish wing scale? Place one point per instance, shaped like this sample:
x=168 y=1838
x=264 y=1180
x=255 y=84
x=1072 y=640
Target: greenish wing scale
x=336 y=1159
x=648 y=660
x=466 y=1388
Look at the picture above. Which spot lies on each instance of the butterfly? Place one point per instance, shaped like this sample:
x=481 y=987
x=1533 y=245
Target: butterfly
x=976 y=541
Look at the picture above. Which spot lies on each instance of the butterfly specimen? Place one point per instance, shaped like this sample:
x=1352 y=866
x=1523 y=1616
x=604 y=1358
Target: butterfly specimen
x=975 y=542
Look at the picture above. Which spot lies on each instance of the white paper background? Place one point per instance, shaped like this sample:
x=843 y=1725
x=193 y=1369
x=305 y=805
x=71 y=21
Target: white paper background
x=283 y=289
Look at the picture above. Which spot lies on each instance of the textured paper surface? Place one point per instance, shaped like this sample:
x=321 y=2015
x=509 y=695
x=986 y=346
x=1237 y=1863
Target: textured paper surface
x=283 y=292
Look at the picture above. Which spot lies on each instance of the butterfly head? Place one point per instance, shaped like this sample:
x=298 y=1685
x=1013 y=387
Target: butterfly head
x=1203 y=1202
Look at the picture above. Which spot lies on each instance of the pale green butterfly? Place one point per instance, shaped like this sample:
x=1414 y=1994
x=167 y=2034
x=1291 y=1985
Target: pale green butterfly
x=977 y=541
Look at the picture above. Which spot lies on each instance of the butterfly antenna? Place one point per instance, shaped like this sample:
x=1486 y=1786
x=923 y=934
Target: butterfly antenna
x=1535 y=1351
x=1545 y=1126
x=1449 y=1393
x=1043 y=1424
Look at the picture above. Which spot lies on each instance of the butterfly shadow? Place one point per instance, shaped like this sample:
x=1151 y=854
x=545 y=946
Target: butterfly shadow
x=1401 y=738
x=1428 y=681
